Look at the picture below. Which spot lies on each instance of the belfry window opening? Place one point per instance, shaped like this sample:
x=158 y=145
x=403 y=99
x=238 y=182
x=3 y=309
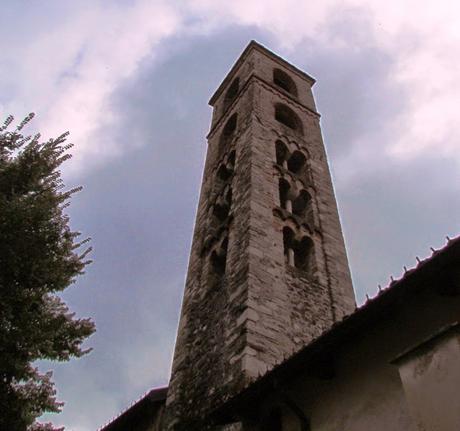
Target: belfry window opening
x=223 y=173
x=221 y=208
x=296 y=162
x=288 y=244
x=303 y=254
x=228 y=132
x=281 y=154
x=232 y=92
x=284 y=81
x=298 y=254
x=284 y=188
x=288 y=117
x=301 y=204
x=219 y=258
x=226 y=168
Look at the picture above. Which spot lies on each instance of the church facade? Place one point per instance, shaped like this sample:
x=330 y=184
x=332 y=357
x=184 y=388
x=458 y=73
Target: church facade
x=269 y=335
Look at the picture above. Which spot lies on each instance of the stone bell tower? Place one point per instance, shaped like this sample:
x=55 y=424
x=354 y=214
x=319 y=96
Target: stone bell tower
x=268 y=271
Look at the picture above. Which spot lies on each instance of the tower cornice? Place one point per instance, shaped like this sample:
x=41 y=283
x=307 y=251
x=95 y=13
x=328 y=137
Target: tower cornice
x=253 y=45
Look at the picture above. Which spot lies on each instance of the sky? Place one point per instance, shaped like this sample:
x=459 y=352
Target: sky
x=130 y=80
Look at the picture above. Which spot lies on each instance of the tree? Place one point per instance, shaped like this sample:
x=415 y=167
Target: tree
x=40 y=256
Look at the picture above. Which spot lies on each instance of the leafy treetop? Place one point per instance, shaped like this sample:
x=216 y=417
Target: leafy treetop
x=40 y=256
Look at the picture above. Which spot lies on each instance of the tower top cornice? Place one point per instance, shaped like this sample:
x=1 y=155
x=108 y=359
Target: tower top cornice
x=253 y=45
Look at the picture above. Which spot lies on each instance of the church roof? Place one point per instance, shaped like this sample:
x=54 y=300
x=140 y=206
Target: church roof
x=440 y=271
x=139 y=412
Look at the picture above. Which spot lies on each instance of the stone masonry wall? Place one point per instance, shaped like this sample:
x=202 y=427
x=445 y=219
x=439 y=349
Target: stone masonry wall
x=287 y=307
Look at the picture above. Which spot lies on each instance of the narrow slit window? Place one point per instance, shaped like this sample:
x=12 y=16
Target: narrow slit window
x=281 y=153
x=288 y=244
x=221 y=211
x=284 y=187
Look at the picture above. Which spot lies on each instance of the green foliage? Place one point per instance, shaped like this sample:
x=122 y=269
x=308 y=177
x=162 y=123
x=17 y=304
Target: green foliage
x=39 y=257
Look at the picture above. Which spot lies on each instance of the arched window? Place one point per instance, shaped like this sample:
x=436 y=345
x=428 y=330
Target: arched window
x=219 y=258
x=223 y=172
x=288 y=244
x=298 y=253
x=231 y=92
x=230 y=125
x=283 y=187
x=303 y=254
x=220 y=210
x=288 y=117
x=281 y=153
x=301 y=204
x=223 y=203
x=283 y=80
x=225 y=169
x=296 y=162
x=228 y=131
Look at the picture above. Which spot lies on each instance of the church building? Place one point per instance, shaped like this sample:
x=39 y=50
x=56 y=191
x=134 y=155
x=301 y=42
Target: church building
x=270 y=338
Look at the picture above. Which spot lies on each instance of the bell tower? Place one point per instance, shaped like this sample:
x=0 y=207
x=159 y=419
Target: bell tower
x=268 y=270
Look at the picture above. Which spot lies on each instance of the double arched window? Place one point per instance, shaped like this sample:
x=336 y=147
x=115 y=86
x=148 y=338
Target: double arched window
x=298 y=253
x=294 y=162
x=301 y=204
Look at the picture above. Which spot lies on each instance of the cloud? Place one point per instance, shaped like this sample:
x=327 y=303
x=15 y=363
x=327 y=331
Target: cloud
x=80 y=55
x=68 y=72
x=421 y=40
